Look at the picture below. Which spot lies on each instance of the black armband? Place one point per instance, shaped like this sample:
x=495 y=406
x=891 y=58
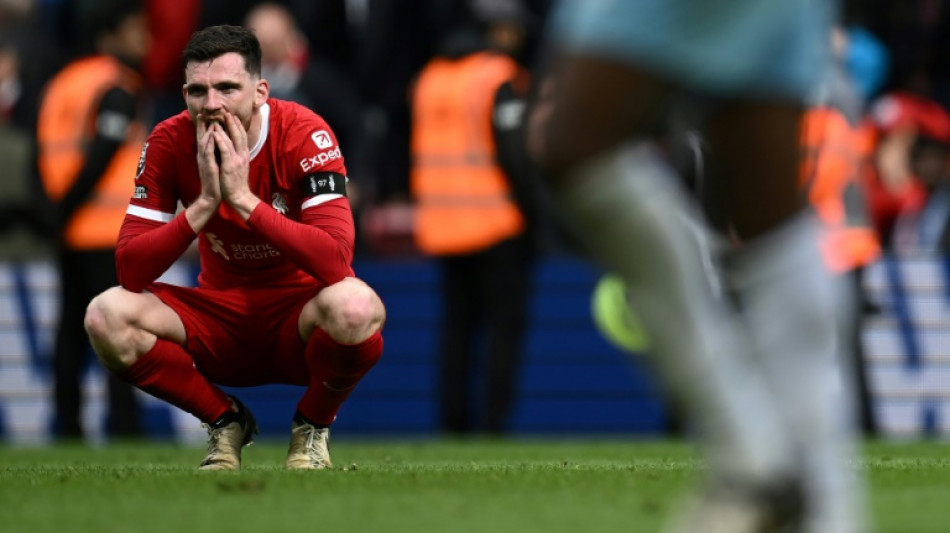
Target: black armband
x=323 y=183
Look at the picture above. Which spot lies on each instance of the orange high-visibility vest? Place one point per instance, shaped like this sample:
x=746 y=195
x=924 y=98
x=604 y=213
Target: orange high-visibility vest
x=835 y=153
x=65 y=127
x=463 y=199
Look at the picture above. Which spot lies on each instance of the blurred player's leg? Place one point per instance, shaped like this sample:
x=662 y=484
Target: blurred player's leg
x=750 y=57
x=807 y=377
x=790 y=301
x=627 y=205
x=755 y=62
x=636 y=221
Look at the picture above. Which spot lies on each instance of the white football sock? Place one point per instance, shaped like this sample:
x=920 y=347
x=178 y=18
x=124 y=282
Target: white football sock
x=629 y=208
x=793 y=308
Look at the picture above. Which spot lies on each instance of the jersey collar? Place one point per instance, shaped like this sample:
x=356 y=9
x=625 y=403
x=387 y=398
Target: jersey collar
x=265 y=128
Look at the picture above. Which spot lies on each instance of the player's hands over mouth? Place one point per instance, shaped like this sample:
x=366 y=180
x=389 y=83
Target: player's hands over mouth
x=231 y=140
x=207 y=164
x=204 y=207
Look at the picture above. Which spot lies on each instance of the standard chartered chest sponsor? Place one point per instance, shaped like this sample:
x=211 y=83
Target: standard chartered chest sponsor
x=244 y=252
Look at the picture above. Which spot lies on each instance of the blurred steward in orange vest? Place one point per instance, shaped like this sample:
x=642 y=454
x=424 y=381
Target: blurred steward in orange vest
x=470 y=181
x=89 y=143
x=838 y=155
x=837 y=148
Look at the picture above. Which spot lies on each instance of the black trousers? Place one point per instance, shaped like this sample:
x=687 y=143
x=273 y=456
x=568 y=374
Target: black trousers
x=865 y=401
x=83 y=275
x=486 y=297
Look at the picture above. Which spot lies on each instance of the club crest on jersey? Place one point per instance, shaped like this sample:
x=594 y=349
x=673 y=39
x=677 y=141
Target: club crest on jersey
x=322 y=139
x=279 y=203
x=141 y=166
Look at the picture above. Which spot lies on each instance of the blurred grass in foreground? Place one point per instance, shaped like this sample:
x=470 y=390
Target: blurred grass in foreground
x=405 y=486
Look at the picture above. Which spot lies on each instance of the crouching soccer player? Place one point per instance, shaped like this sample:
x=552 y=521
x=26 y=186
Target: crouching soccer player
x=263 y=185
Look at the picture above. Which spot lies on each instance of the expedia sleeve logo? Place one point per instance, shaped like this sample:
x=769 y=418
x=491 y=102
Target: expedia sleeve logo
x=322 y=139
x=324 y=183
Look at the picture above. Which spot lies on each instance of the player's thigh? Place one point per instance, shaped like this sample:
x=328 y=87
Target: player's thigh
x=755 y=162
x=122 y=310
x=594 y=104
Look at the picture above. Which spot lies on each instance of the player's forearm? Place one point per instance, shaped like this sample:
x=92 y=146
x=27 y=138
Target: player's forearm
x=244 y=204
x=199 y=212
x=325 y=253
x=147 y=249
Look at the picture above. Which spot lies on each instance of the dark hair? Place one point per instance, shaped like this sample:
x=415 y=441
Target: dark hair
x=215 y=41
x=97 y=18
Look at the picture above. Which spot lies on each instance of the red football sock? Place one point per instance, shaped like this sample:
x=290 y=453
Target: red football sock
x=168 y=373
x=335 y=369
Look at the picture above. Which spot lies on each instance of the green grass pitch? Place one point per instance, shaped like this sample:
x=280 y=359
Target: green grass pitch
x=396 y=486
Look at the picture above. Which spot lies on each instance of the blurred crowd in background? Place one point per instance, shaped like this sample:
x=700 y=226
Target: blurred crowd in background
x=351 y=61
x=358 y=63
x=354 y=62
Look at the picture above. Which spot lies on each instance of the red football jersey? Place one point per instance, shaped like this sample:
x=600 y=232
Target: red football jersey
x=894 y=112
x=296 y=167
x=901 y=110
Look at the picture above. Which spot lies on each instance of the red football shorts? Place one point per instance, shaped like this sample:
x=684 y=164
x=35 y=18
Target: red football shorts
x=242 y=337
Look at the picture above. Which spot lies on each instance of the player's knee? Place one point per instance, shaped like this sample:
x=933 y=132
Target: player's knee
x=351 y=313
x=97 y=317
x=360 y=312
x=105 y=329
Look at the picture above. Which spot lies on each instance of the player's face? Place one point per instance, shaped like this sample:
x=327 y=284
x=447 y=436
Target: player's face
x=223 y=84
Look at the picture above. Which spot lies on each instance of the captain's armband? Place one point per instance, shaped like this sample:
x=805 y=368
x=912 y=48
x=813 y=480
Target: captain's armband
x=320 y=183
